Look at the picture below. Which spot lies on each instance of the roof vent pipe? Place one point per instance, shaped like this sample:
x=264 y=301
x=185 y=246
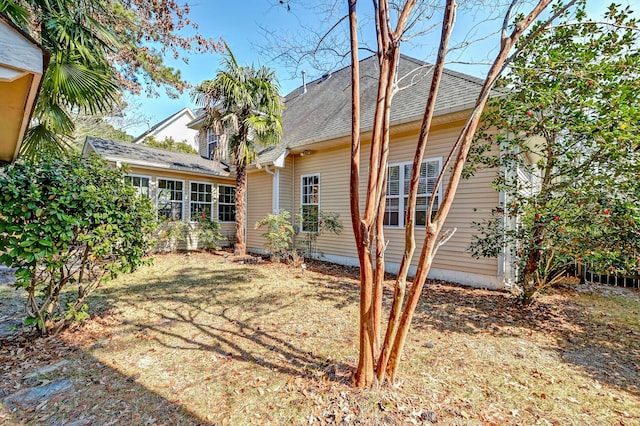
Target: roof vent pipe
x=304 y=81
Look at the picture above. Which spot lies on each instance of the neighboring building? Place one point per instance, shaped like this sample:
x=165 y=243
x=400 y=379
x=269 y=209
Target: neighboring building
x=182 y=186
x=22 y=65
x=174 y=127
x=309 y=170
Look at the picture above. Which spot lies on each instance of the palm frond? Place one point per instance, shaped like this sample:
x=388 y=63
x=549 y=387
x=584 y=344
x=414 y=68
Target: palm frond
x=42 y=139
x=16 y=13
x=244 y=101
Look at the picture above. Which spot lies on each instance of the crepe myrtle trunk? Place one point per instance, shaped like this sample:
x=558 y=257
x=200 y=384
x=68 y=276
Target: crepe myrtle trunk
x=363 y=224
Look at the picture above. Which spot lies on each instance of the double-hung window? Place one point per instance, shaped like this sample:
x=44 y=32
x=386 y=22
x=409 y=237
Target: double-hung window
x=226 y=203
x=310 y=202
x=212 y=143
x=200 y=201
x=140 y=184
x=398 y=181
x=170 y=199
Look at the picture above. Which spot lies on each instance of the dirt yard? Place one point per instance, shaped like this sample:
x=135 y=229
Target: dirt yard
x=200 y=339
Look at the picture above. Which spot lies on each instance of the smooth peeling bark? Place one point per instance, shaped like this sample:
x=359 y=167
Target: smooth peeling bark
x=369 y=304
x=378 y=284
x=381 y=194
x=354 y=180
x=405 y=263
x=463 y=143
x=364 y=373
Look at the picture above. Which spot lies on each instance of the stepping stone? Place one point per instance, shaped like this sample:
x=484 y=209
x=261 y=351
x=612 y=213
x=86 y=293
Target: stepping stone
x=31 y=397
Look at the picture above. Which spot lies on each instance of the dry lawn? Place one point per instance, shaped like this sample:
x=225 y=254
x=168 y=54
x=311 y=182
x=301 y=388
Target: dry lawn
x=200 y=339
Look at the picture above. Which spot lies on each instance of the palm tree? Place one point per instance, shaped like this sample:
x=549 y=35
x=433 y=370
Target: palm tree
x=79 y=75
x=245 y=102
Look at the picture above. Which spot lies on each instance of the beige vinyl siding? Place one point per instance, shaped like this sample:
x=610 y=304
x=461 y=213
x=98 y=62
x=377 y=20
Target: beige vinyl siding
x=286 y=186
x=226 y=229
x=259 y=204
x=474 y=200
x=333 y=167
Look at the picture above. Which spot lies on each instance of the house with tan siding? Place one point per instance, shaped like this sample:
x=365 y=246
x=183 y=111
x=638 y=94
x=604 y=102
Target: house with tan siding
x=310 y=167
x=308 y=172
x=182 y=187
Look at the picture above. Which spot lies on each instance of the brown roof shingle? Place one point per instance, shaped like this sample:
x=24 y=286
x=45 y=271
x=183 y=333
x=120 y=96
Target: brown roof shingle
x=324 y=111
x=153 y=157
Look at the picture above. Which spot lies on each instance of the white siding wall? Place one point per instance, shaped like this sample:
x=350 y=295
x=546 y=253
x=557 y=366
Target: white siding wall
x=178 y=130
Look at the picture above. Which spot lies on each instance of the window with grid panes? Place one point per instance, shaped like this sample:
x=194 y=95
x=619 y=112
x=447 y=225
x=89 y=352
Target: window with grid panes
x=170 y=199
x=140 y=183
x=200 y=201
x=226 y=203
x=310 y=202
x=398 y=181
x=212 y=143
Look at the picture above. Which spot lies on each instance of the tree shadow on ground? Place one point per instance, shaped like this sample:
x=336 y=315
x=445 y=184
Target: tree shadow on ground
x=99 y=394
x=574 y=334
x=447 y=307
x=233 y=313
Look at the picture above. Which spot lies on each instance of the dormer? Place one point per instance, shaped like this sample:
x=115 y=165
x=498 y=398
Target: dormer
x=212 y=143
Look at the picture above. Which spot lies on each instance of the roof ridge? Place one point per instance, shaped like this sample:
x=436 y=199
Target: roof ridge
x=458 y=74
x=140 y=146
x=328 y=73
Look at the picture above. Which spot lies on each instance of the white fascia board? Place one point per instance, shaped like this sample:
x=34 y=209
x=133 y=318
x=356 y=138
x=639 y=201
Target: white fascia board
x=162 y=167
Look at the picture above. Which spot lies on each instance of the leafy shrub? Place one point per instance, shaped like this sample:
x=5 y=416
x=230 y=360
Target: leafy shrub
x=175 y=235
x=208 y=234
x=279 y=235
x=327 y=222
x=168 y=235
x=68 y=224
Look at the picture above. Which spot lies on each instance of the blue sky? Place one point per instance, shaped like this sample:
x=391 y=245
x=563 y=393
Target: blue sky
x=240 y=24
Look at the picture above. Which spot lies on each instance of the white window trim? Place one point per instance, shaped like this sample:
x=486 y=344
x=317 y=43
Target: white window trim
x=401 y=196
x=185 y=198
x=210 y=141
x=308 y=204
x=212 y=199
x=151 y=184
x=226 y=204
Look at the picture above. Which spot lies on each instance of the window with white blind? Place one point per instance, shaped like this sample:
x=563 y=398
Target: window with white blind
x=200 y=201
x=310 y=202
x=398 y=181
x=170 y=199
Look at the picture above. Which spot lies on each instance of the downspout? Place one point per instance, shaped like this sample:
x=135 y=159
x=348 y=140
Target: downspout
x=293 y=196
x=275 y=189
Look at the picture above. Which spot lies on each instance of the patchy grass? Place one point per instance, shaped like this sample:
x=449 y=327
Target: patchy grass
x=200 y=339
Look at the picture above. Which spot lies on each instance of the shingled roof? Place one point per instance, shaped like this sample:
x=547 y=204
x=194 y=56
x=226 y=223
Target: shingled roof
x=324 y=111
x=141 y=155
